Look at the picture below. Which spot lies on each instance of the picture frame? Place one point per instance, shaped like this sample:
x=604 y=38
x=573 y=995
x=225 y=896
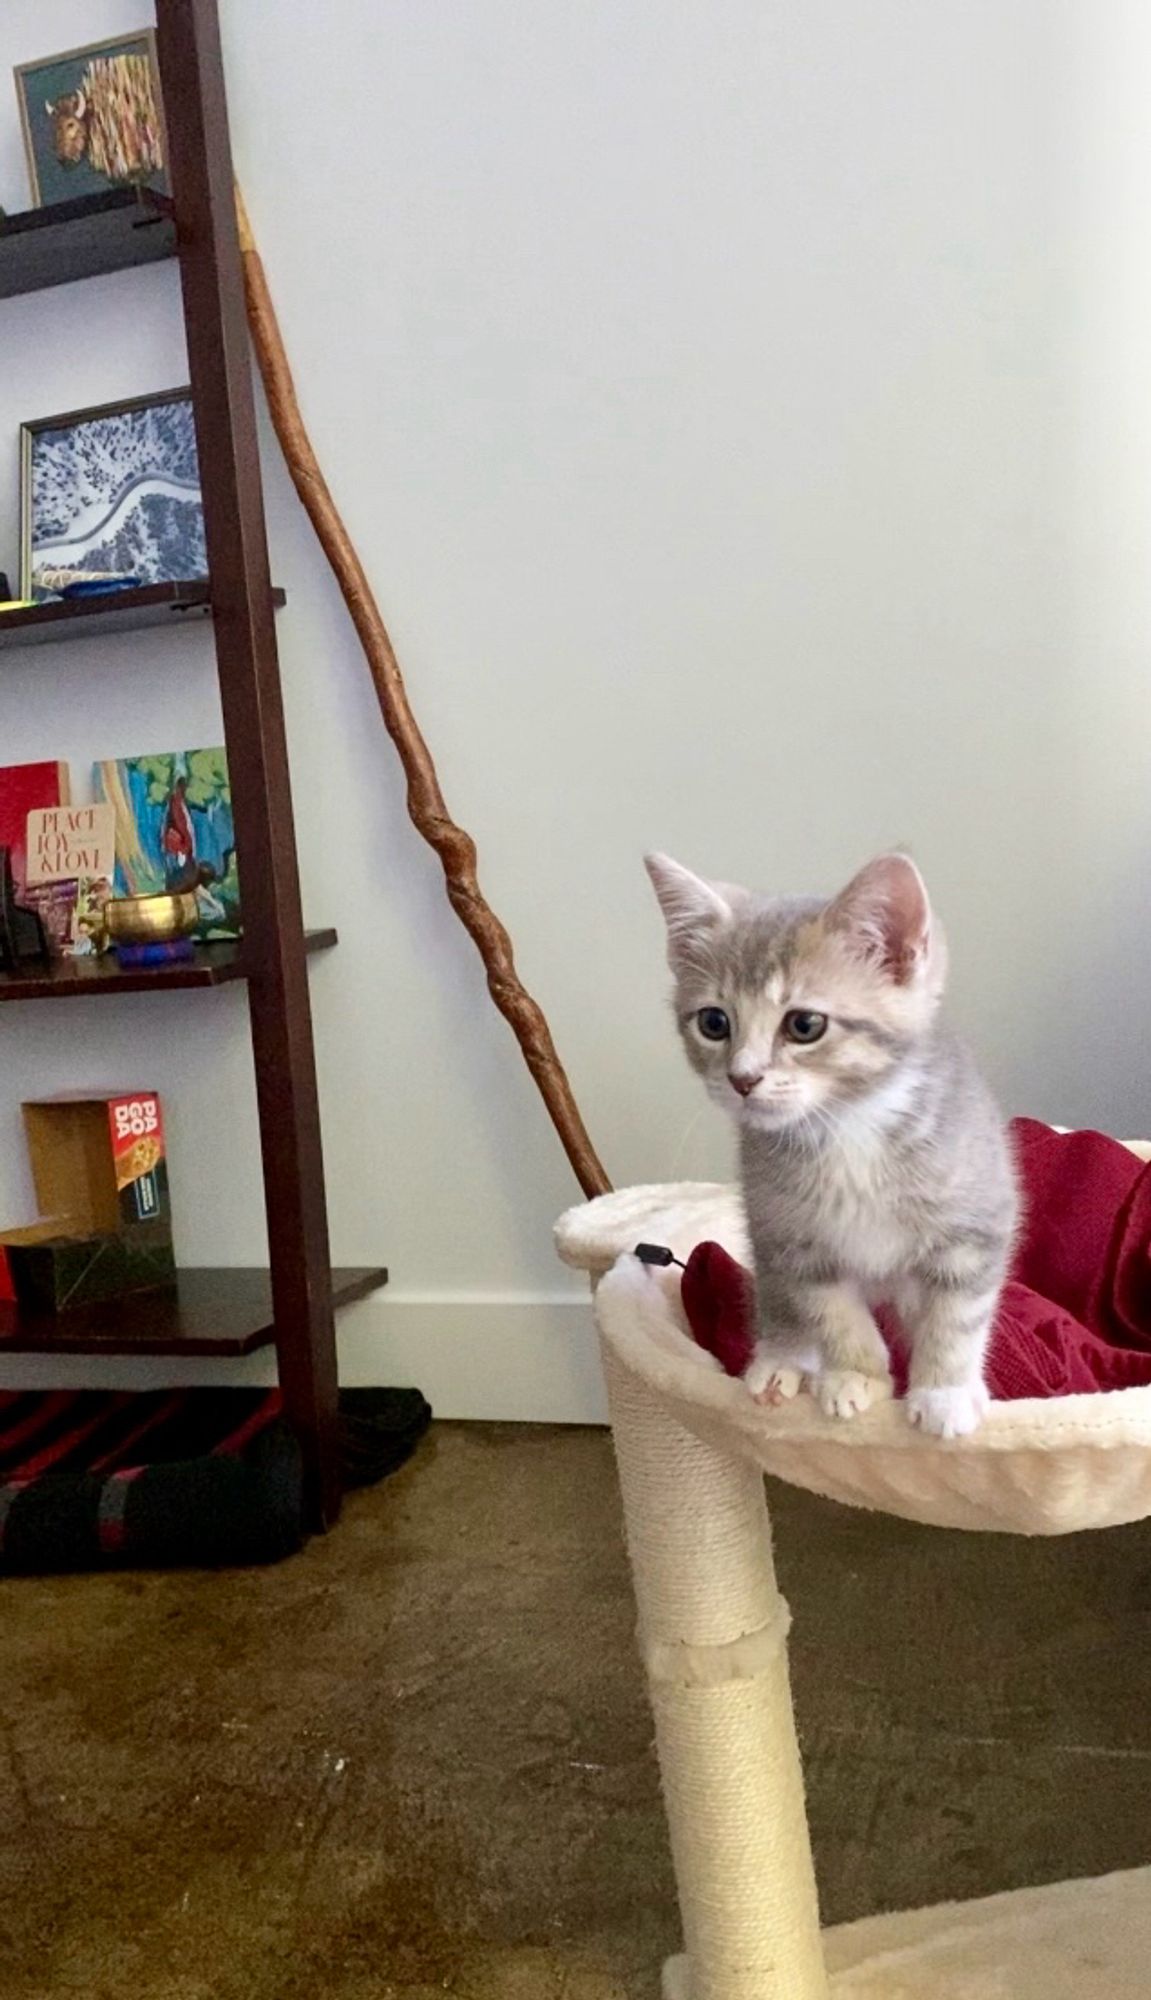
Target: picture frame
x=112 y=491
x=174 y=832
x=93 y=119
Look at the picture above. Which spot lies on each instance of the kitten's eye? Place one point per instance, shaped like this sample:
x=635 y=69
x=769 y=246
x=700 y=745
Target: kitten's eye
x=713 y=1024
x=804 y=1026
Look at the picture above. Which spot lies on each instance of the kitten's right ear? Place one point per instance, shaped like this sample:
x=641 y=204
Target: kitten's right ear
x=689 y=904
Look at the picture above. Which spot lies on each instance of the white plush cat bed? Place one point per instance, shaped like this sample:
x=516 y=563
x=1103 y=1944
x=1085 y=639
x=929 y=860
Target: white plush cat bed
x=691 y=1447
x=1035 y=1468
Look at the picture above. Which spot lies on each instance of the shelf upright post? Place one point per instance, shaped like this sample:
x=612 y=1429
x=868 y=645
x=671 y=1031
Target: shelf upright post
x=220 y=368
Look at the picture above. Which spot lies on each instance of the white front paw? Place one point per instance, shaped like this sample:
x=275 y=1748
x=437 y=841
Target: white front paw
x=771 y=1381
x=948 y=1413
x=844 y=1392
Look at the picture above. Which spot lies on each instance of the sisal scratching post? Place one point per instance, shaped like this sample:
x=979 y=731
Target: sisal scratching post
x=713 y=1633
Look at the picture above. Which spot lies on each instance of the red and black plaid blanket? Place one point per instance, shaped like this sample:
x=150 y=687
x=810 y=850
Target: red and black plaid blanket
x=204 y=1476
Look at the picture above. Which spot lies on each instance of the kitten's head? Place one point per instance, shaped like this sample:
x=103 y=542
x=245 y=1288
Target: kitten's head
x=792 y=1007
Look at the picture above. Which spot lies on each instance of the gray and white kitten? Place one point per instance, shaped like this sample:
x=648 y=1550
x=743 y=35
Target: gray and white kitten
x=875 y=1163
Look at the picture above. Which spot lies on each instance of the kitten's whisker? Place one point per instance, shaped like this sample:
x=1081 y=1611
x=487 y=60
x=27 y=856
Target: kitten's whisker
x=826 y=1120
x=685 y=1137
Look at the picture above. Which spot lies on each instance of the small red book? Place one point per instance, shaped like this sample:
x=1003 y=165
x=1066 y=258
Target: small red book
x=24 y=788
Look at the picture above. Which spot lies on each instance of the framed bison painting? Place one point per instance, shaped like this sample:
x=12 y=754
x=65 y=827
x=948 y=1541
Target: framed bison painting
x=93 y=119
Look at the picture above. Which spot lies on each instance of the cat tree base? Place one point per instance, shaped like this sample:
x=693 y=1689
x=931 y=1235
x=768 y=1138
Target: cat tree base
x=1088 y=1940
x=691 y=1450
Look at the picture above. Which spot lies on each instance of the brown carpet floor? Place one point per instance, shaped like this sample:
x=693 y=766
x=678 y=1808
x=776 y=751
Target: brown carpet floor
x=417 y=1759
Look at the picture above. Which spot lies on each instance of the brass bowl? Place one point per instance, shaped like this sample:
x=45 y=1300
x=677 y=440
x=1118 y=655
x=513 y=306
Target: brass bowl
x=151 y=919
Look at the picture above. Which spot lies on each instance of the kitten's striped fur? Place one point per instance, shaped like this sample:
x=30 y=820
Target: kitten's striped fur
x=875 y=1164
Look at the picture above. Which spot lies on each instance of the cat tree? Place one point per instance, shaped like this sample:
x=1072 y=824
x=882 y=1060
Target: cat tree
x=692 y=1448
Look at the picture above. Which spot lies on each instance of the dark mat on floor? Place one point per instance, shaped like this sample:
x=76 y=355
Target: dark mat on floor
x=91 y=1479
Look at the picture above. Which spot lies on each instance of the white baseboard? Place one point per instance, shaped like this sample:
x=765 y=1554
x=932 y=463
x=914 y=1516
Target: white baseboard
x=528 y=1360
x=523 y=1359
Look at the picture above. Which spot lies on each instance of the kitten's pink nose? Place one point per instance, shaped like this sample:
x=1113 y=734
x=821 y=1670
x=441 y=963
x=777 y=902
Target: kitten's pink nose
x=741 y=1081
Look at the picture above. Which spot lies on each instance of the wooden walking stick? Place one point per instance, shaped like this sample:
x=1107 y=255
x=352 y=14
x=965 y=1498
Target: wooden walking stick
x=426 y=805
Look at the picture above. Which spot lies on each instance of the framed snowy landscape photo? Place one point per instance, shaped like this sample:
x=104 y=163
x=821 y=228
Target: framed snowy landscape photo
x=112 y=492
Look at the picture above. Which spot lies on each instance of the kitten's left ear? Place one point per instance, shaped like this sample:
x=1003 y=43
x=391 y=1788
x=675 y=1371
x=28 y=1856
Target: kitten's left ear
x=885 y=911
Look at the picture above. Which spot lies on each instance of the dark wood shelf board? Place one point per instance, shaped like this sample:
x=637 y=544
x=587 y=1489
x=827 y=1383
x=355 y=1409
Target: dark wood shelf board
x=112 y=231
x=209 y=1313
x=170 y=604
x=82 y=978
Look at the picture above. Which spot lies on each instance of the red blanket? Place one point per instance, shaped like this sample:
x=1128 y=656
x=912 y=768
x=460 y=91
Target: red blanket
x=1075 y=1315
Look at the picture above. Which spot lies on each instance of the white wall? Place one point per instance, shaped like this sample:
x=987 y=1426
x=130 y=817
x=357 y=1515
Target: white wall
x=744 y=415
